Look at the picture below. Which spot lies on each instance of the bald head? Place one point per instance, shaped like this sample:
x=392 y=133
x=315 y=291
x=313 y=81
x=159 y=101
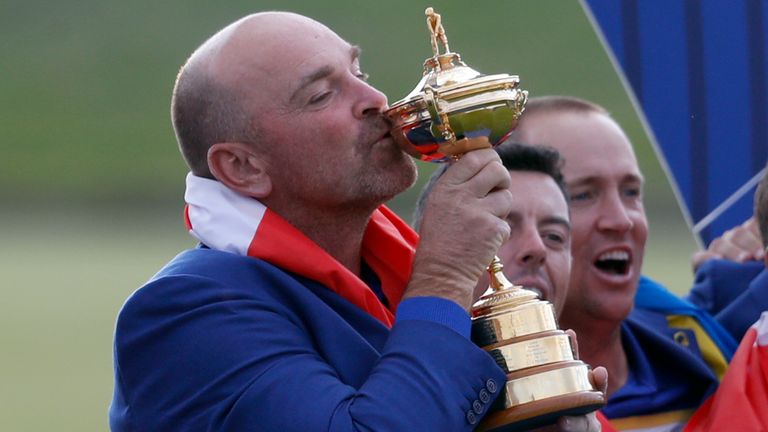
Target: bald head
x=549 y=105
x=213 y=99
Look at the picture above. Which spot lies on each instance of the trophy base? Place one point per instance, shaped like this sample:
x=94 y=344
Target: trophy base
x=542 y=412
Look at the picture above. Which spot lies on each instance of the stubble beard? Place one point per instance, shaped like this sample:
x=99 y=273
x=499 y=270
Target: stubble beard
x=385 y=172
x=382 y=180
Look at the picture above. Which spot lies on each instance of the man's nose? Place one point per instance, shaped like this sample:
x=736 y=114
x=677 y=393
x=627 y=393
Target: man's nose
x=532 y=251
x=370 y=101
x=614 y=215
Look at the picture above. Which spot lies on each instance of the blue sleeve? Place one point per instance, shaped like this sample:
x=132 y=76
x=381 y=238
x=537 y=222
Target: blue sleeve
x=241 y=362
x=734 y=293
x=437 y=310
x=746 y=309
x=719 y=282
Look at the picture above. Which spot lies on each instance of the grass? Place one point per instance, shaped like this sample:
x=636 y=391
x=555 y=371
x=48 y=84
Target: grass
x=65 y=275
x=65 y=278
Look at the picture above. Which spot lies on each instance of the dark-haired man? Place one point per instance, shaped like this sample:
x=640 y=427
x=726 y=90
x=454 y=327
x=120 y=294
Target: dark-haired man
x=537 y=253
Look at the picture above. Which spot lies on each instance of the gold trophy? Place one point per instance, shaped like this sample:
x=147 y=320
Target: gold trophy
x=455 y=109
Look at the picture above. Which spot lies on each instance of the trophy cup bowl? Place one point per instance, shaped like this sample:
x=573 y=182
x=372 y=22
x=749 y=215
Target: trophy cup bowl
x=453 y=110
x=456 y=111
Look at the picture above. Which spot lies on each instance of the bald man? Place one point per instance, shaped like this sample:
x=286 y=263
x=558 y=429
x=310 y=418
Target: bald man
x=307 y=305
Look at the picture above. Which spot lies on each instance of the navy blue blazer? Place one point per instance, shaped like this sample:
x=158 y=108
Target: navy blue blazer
x=220 y=342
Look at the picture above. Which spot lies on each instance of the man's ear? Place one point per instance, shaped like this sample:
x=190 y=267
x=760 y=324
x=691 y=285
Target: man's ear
x=239 y=167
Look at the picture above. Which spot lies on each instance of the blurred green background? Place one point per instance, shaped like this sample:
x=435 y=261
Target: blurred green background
x=91 y=182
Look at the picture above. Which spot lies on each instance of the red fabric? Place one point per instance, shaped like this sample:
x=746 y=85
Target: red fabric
x=605 y=423
x=741 y=401
x=388 y=248
x=391 y=260
x=187 y=221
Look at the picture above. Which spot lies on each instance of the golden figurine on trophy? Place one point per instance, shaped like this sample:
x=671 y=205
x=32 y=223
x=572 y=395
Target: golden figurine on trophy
x=455 y=109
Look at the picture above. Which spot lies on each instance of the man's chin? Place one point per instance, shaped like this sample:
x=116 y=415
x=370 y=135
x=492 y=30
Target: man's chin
x=406 y=171
x=392 y=183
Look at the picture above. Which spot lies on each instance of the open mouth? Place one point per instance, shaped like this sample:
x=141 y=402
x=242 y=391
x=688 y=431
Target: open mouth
x=614 y=262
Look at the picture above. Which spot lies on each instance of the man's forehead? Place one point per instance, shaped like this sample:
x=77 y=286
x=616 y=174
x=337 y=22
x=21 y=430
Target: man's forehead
x=601 y=157
x=538 y=191
x=566 y=130
x=592 y=145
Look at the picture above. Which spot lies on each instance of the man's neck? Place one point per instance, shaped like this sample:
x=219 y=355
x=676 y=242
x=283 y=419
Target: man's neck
x=340 y=233
x=600 y=345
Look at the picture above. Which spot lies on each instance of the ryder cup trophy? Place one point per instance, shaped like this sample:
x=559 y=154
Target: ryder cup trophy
x=455 y=109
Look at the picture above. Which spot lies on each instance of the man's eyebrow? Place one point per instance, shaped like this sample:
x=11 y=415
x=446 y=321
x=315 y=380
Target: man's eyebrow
x=581 y=181
x=320 y=73
x=556 y=220
x=587 y=180
x=634 y=178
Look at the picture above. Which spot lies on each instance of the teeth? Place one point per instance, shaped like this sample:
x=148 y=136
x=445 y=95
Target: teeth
x=614 y=256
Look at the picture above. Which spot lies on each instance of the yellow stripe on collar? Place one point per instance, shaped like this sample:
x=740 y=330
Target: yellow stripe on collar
x=709 y=350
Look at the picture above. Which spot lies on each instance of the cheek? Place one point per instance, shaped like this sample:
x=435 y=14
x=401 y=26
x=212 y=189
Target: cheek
x=332 y=126
x=640 y=229
x=316 y=134
x=559 y=274
x=506 y=252
x=580 y=233
x=559 y=265
x=578 y=264
x=582 y=221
